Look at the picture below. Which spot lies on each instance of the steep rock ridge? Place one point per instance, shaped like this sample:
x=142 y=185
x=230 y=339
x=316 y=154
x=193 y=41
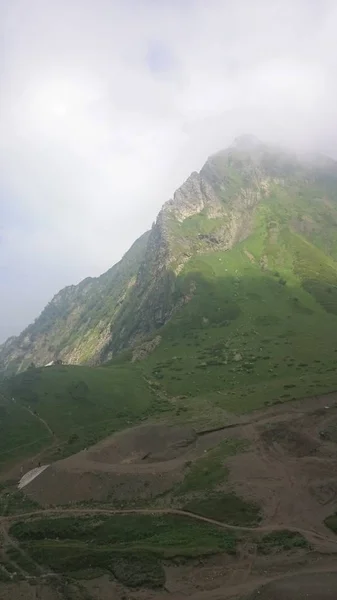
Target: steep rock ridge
x=75 y=325
x=191 y=198
x=247 y=186
x=198 y=219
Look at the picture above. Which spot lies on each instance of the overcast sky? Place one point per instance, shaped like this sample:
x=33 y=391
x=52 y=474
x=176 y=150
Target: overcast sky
x=106 y=106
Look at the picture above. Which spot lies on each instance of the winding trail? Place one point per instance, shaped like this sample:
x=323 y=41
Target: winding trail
x=35 y=416
x=228 y=590
x=8 y=539
x=165 y=511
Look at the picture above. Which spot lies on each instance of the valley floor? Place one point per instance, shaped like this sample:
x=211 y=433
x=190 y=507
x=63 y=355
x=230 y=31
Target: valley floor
x=218 y=513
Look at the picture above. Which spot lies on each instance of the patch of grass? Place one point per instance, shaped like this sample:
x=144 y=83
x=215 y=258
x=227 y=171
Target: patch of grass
x=135 y=571
x=131 y=569
x=168 y=535
x=4 y=575
x=87 y=573
x=210 y=470
x=20 y=433
x=14 y=501
x=195 y=225
x=331 y=522
x=279 y=541
x=9 y=567
x=24 y=562
x=80 y=404
x=129 y=546
x=318 y=273
x=227 y=508
x=218 y=336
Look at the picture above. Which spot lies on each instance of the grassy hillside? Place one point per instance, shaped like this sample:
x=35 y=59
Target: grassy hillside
x=238 y=289
x=246 y=338
x=257 y=325
x=66 y=408
x=249 y=335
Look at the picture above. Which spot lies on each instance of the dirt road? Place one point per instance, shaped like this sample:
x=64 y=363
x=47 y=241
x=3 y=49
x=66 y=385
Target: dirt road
x=312 y=536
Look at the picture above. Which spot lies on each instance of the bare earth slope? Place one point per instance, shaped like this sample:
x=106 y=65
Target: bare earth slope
x=288 y=467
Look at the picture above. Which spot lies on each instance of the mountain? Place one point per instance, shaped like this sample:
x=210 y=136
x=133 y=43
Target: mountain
x=75 y=325
x=201 y=396
x=253 y=233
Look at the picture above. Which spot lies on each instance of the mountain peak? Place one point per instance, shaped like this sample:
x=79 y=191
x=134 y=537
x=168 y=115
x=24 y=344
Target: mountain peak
x=247 y=142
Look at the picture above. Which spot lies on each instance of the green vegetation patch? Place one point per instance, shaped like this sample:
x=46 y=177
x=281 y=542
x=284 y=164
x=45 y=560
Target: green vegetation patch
x=23 y=561
x=14 y=501
x=279 y=541
x=4 y=575
x=21 y=433
x=227 y=508
x=87 y=573
x=81 y=405
x=210 y=470
x=331 y=522
x=259 y=316
x=317 y=272
x=135 y=571
x=131 y=569
x=130 y=547
x=168 y=535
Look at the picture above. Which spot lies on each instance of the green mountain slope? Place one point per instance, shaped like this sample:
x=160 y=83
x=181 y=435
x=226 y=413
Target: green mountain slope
x=250 y=335
x=228 y=304
x=247 y=190
x=285 y=207
x=63 y=409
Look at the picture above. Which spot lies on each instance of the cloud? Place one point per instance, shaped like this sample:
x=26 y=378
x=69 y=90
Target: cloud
x=107 y=106
x=159 y=58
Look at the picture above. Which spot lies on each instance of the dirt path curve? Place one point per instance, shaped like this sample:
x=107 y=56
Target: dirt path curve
x=44 y=423
x=14 y=544
x=310 y=534
x=32 y=413
x=35 y=416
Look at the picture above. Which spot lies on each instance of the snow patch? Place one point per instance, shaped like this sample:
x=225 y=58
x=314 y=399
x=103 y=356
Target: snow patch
x=28 y=477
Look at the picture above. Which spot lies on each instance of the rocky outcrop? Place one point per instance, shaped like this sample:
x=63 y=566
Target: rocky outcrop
x=76 y=324
x=206 y=214
x=194 y=196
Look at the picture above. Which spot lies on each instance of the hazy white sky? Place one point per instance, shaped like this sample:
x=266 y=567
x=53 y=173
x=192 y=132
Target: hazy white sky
x=106 y=106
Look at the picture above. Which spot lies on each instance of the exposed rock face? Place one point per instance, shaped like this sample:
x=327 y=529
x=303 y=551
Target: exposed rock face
x=194 y=196
x=222 y=223
x=212 y=211
x=75 y=325
x=143 y=350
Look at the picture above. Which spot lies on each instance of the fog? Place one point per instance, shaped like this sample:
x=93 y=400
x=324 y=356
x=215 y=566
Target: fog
x=106 y=106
